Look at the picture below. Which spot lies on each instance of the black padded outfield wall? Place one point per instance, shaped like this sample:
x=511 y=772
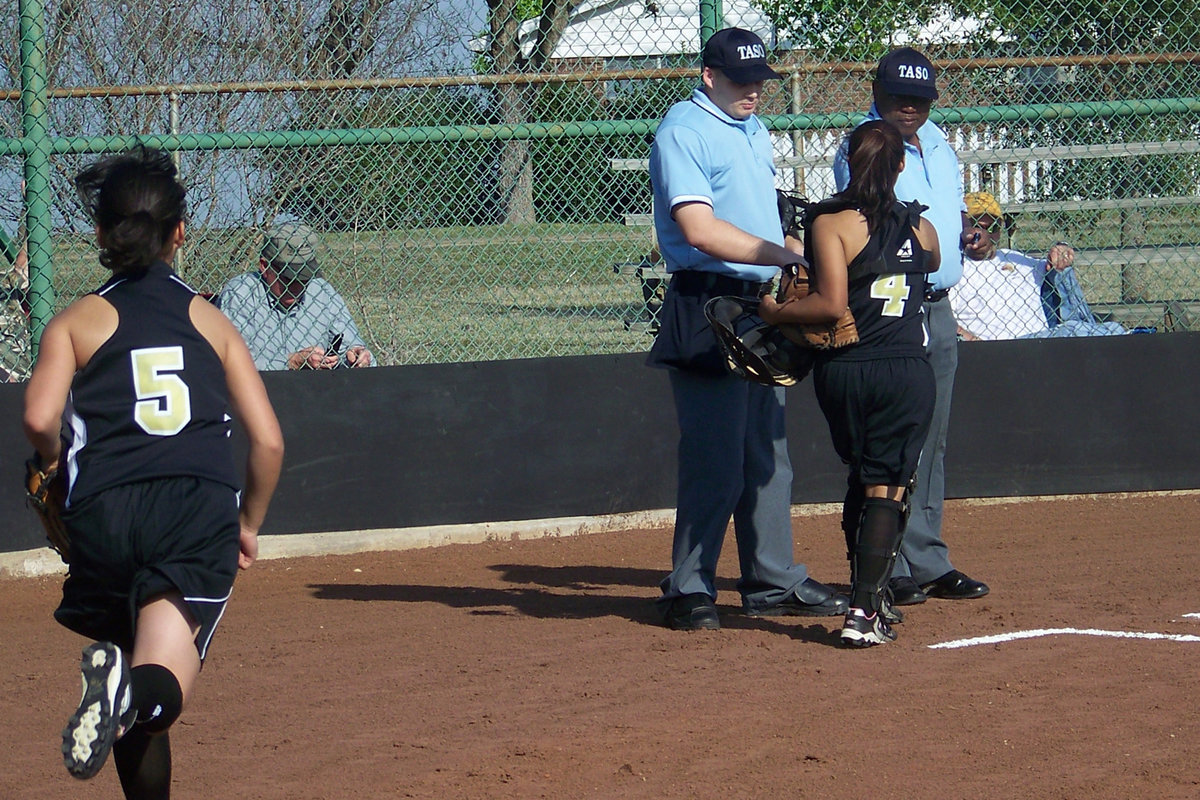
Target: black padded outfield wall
x=397 y=447
x=1063 y=416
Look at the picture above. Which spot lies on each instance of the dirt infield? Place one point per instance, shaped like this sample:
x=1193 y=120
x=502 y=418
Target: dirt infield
x=536 y=669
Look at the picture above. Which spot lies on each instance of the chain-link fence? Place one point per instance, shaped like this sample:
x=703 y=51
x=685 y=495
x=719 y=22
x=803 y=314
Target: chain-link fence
x=476 y=172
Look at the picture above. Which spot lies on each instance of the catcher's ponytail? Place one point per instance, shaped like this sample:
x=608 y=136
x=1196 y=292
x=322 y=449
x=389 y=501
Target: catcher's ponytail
x=136 y=202
x=875 y=152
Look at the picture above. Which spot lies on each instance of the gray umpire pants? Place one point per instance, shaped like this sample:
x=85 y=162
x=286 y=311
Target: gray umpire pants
x=923 y=554
x=733 y=461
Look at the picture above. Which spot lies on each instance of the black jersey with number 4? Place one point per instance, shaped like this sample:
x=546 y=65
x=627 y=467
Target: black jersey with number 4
x=886 y=283
x=152 y=402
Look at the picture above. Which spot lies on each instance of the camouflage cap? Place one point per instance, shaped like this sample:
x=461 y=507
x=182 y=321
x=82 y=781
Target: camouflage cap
x=291 y=250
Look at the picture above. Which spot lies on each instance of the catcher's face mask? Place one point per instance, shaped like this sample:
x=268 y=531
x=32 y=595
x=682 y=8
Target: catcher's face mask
x=753 y=349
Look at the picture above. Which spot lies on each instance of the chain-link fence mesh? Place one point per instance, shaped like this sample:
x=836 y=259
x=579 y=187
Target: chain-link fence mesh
x=476 y=172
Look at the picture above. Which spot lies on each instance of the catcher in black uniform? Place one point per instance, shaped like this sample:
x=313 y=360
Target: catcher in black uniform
x=870 y=254
x=131 y=397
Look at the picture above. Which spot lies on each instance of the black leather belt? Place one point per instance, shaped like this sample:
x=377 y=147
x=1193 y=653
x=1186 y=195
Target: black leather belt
x=691 y=282
x=932 y=295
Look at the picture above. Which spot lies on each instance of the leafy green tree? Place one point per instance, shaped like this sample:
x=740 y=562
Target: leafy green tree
x=835 y=30
x=1036 y=30
x=1051 y=28
x=1067 y=27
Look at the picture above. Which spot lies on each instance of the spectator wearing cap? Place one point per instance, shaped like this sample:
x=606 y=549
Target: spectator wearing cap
x=903 y=91
x=717 y=227
x=1007 y=294
x=291 y=317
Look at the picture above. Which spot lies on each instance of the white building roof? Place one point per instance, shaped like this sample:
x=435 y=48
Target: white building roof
x=639 y=28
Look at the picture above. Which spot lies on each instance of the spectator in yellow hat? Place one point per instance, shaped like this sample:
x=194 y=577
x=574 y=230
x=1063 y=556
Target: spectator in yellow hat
x=1007 y=294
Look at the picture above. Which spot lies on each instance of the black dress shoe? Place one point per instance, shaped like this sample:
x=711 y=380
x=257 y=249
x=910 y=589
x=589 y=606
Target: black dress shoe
x=905 y=591
x=955 y=586
x=692 y=612
x=809 y=599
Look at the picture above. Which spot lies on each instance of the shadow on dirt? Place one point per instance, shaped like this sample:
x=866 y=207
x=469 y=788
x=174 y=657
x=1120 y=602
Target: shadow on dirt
x=572 y=592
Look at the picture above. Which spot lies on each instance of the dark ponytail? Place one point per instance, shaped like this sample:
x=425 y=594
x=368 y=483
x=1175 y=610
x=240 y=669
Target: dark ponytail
x=136 y=202
x=875 y=152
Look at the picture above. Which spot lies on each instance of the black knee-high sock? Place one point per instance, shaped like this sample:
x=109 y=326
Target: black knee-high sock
x=879 y=532
x=851 y=518
x=143 y=754
x=157 y=697
x=143 y=762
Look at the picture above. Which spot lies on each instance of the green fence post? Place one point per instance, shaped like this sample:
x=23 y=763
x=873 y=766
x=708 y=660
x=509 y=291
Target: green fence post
x=710 y=19
x=34 y=115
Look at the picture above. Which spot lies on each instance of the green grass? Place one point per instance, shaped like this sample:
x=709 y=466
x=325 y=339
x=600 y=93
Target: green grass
x=484 y=293
x=444 y=294
x=1169 y=275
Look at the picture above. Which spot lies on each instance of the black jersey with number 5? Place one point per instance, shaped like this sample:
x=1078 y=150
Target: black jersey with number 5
x=152 y=402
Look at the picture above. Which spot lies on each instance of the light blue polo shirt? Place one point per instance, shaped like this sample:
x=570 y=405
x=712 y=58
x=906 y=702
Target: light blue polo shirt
x=701 y=154
x=933 y=178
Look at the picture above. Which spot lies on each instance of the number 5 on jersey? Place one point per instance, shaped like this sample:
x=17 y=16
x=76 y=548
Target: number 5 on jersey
x=164 y=404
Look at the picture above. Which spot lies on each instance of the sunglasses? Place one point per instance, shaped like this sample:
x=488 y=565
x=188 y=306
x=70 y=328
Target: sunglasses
x=996 y=226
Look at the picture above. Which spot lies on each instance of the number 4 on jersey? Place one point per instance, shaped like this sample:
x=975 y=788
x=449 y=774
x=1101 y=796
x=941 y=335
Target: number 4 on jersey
x=893 y=290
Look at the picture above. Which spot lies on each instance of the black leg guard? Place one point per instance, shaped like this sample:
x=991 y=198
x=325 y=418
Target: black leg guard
x=852 y=517
x=878 y=542
x=143 y=755
x=143 y=762
x=906 y=507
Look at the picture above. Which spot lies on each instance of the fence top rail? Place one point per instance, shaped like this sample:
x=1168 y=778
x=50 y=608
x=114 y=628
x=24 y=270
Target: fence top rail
x=795 y=69
x=550 y=130
x=1041 y=206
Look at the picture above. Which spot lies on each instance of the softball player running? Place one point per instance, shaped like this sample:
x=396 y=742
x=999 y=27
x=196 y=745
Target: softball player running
x=132 y=392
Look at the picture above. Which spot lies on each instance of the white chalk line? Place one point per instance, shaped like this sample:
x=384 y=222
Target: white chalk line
x=1015 y=635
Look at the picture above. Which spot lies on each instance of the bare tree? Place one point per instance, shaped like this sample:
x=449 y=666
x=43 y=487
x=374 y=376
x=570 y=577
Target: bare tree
x=111 y=45
x=515 y=100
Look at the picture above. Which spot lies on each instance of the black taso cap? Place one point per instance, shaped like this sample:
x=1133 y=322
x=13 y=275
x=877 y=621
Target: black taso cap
x=907 y=72
x=740 y=54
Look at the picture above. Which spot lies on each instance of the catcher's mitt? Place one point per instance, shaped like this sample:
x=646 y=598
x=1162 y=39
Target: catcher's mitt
x=47 y=493
x=794 y=284
x=753 y=349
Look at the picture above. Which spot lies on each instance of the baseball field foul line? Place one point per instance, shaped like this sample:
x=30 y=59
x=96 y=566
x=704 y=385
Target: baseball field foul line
x=1011 y=637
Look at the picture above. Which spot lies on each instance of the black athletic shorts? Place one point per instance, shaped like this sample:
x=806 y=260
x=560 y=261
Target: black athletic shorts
x=134 y=542
x=878 y=413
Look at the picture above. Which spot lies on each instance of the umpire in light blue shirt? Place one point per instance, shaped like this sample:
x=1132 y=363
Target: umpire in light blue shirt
x=904 y=89
x=717 y=225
